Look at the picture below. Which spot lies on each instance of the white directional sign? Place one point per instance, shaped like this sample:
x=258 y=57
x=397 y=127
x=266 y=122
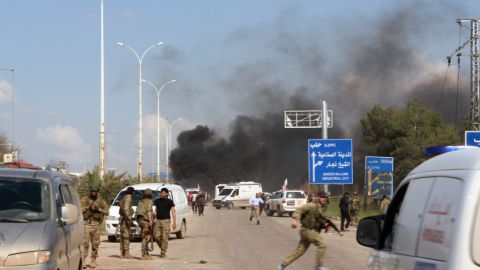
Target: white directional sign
x=306 y=119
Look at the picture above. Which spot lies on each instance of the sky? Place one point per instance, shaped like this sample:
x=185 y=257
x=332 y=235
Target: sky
x=54 y=48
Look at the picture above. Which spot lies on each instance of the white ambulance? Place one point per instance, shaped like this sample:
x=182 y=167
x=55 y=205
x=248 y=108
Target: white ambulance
x=237 y=195
x=433 y=221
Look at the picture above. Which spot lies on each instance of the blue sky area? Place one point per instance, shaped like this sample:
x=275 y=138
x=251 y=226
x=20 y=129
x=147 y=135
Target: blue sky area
x=54 y=47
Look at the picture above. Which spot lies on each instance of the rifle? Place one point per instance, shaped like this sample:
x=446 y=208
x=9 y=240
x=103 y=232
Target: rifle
x=327 y=223
x=149 y=233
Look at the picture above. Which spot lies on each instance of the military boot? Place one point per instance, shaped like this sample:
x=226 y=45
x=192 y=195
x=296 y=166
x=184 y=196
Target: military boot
x=93 y=262
x=126 y=255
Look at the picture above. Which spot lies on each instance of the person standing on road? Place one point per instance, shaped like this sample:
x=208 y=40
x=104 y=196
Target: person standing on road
x=255 y=203
x=145 y=221
x=354 y=208
x=309 y=215
x=164 y=206
x=194 y=199
x=94 y=208
x=200 y=203
x=126 y=213
x=384 y=204
x=344 y=212
x=262 y=205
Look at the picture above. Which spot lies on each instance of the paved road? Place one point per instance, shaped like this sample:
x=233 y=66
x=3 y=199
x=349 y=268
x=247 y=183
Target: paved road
x=226 y=239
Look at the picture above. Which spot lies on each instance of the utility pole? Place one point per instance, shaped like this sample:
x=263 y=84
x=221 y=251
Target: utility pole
x=474 y=70
x=102 y=164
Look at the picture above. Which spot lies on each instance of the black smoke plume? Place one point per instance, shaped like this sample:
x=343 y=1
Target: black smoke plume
x=379 y=64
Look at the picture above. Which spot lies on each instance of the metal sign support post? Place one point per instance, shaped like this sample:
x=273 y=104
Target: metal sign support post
x=324 y=128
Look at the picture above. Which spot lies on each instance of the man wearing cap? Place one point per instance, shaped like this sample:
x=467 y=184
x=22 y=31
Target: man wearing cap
x=126 y=213
x=145 y=221
x=309 y=216
x=94 y=208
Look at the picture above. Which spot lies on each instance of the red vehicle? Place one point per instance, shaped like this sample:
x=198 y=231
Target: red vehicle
x=20 y=164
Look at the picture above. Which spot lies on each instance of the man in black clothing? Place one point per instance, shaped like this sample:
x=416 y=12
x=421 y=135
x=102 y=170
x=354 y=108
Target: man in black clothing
x=344 y=212
x=164 y=206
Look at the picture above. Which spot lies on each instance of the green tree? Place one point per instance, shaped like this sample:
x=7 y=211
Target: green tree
x=109 y=187
x=404 y=135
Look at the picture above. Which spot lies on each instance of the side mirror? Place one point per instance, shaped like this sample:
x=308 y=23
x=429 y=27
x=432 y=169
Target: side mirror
x=368 y=231
x=69 y=214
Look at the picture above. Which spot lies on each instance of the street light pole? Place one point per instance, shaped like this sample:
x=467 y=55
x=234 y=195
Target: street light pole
x=158 y=91
x=102 y=165
x=169 y=144
x=140 y=139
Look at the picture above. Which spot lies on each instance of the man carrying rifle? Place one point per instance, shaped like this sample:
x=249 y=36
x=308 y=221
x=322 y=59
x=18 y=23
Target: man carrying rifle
x=126 y=213
x=145 y=220
x=311 y=216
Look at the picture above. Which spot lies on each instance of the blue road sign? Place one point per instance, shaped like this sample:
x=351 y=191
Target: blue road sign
x=472 y=138
x=379 y=176
x=330 y=161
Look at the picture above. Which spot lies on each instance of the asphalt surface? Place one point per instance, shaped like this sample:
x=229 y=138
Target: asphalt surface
x=226 y=239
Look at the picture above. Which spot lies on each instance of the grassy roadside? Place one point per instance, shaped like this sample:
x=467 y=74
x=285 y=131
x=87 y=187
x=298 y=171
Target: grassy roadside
x=333 y=211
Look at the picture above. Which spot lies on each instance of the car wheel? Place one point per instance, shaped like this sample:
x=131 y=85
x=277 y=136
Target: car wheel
x=290 y=214
x=183 y=230
x=268 y=211
x=112 y=238
x=279 y=212
x=243 y=207
x=218 y=207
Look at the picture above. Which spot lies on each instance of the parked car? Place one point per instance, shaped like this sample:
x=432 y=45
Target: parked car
x=433 y=220
x=237 y=195
x=177 y=194
x=285 y=202
x=41 y=224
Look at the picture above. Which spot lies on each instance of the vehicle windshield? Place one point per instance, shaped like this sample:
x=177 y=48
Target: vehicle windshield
x=23 y=200
x=137 y=196
x=295 y=195
x=225 y=192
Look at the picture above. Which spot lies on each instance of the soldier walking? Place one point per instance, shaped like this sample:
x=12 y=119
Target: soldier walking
x=344 y=205
x=126 y=213
x=200 y=203
x=163 y=207
x=145 y=221
x=309 y=216
x=94 y=208
x=354 y=208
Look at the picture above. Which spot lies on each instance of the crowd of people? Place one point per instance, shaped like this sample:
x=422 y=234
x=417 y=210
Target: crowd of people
x=155 y=225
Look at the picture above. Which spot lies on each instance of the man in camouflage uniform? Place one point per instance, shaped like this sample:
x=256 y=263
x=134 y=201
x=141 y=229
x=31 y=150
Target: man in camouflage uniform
x=126 y=213
x=145 y=220
x=94 y=208
x=309 y=216
x=354 y=208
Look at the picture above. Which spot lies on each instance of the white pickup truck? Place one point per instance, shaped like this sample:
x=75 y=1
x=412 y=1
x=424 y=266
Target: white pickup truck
x=285 y=201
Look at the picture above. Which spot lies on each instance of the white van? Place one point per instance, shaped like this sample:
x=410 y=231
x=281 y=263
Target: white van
x=177 y=194
x=433 y=221
x=237 y=195
x=218 y=189
x=41 y=224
